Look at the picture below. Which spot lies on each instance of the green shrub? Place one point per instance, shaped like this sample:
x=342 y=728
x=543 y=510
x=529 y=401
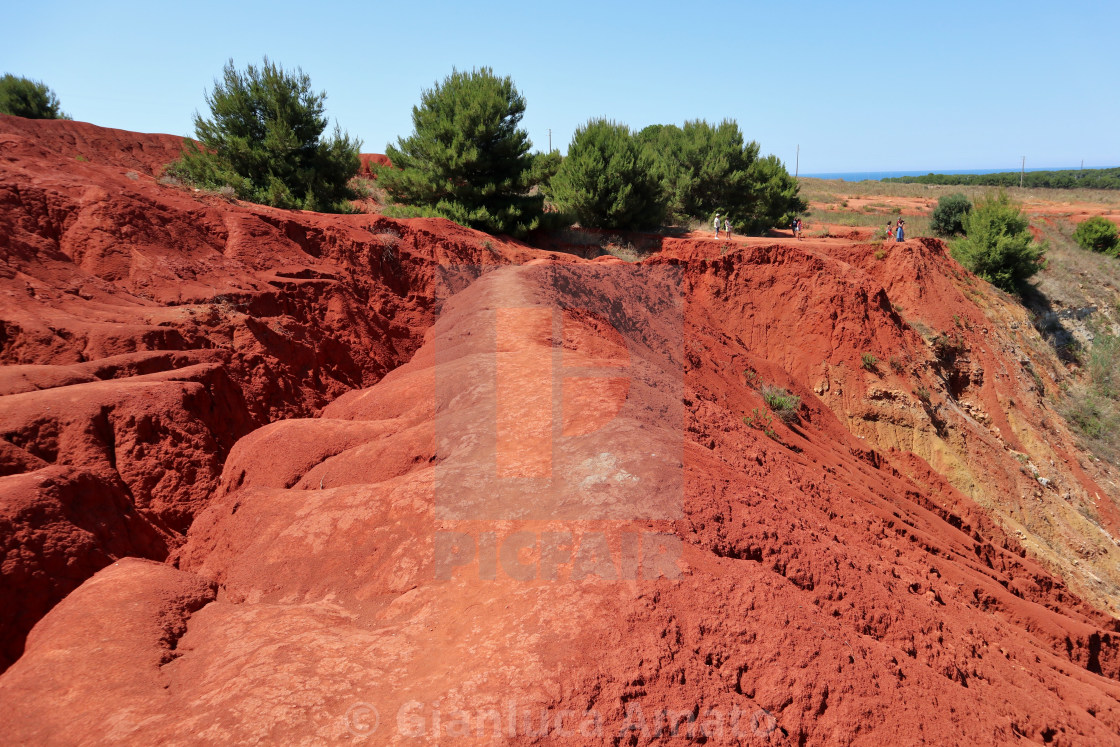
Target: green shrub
x=28 y=98
x=605 y=181
x=467 y=159
x=1097 y=234
x=998 y=245
x=781 y=402
x=869 y=362
x=264 y=140
x=948 y=217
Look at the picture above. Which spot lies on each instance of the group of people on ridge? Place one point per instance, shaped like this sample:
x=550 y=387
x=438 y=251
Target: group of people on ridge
x=726 y=225
x=899 y=232
x=895 y=229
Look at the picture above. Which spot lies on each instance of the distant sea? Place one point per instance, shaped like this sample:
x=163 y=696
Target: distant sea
x=862 y=176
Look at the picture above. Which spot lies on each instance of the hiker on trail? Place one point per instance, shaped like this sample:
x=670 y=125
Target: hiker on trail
x=797 y=229
x=899 y=233
x=727 y=227
x=716 y=224
x=889 y=232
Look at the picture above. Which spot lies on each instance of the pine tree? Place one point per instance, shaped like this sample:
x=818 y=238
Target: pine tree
x=998 y=245
x=467 y=160
x=264 y=138
x=948 y=217
x=28 y=98
x=606 y=180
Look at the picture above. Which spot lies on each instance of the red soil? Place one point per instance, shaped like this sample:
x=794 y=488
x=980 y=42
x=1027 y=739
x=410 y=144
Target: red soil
x=872 y=571
x=147 y=327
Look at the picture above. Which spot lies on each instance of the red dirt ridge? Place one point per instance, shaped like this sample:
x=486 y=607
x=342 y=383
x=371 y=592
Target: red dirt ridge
x=281 y=476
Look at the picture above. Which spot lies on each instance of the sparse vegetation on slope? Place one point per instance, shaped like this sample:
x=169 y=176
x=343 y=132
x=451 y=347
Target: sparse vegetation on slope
x=1093 y=405
x=781 y=403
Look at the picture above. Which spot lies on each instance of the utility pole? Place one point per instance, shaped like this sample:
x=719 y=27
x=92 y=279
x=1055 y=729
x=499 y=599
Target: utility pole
x=797 y=164
x=1022 y=169
x=549 y=139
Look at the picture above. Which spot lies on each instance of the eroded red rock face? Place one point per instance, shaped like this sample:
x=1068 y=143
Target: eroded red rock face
x=144 y=328
x=550 y=519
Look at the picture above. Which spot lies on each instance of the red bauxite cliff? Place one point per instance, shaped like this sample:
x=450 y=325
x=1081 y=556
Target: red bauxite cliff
x=278 y=476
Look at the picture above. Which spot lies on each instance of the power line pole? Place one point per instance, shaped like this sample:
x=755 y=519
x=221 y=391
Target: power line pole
x=797 y=165
x=549 y=139
x=1022 y=169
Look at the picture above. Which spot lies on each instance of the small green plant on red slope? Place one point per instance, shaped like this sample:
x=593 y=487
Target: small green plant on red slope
x=869 y=362
x=761 y=420
x=781 y=403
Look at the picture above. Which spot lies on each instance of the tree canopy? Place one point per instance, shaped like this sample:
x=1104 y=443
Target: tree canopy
x=703 y=169
x=28 y=98
x=607 y=180
x=467 y=159
x=1063 y=179
x=264 y=138
x=613 y=178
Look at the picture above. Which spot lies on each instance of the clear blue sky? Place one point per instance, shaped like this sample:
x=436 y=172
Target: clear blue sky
x=860 y=86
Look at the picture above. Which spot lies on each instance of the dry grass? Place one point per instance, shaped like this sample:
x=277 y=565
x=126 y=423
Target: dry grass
x=835 y=190
x=1074 y=276
x=916 y=225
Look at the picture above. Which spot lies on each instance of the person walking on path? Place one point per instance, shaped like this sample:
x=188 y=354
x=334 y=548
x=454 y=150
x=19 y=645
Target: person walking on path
x=716 y=224
x=899 y=232
x=797 y=228
x=727 y=226
x=889 y=232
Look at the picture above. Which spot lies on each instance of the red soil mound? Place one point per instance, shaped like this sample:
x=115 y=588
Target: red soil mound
x=371 y=159
x=569 y=511
x=145 y=328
